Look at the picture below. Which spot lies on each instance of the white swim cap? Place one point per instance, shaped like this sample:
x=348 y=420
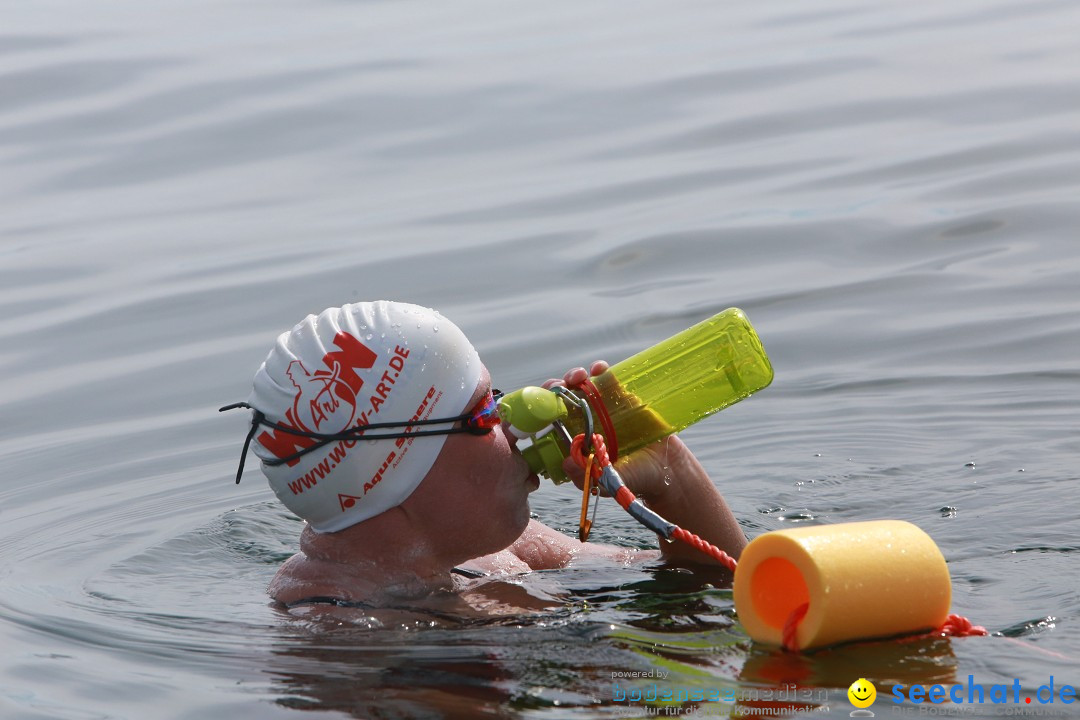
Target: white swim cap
x=363 y=363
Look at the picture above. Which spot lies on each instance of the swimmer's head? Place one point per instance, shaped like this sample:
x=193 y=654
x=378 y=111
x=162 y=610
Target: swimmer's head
x=365 y=363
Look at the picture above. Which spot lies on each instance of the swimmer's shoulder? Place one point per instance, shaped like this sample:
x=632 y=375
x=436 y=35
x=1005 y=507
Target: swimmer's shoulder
x=537 y=548
x=300 y=578
x=540 y=547
x=543 y=548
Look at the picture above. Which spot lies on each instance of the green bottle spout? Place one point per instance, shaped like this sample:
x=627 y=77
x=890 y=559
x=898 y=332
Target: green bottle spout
x=531 y=409
x=545 y=457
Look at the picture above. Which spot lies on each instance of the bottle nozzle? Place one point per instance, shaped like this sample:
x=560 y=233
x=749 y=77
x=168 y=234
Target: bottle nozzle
x=529 y=412
x=531 y=409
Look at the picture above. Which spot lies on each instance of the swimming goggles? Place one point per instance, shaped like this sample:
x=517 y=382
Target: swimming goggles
x=481 y=419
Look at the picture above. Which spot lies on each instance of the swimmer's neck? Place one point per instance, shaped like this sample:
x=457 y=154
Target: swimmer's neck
x=368 y=562
x=357 y=551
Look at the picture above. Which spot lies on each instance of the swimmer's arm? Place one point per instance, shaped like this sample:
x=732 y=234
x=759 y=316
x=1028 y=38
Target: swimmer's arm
x=671 y=481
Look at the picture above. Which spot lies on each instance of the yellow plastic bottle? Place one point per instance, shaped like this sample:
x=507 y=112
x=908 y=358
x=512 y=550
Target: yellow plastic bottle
x=659 y=391
x=681 y=380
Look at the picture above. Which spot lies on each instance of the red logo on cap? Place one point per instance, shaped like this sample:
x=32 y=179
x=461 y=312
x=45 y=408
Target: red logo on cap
x=325 y=400
x=321 y=397
x=347 y=501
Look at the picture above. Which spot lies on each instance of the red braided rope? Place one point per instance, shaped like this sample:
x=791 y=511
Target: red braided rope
x=705 y=546
x=624 y=497
x=959 y=626
x=600 y=462
x=790 y=640
x=596 y=402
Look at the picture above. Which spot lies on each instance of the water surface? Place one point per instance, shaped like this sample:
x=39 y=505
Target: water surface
x=888 y=190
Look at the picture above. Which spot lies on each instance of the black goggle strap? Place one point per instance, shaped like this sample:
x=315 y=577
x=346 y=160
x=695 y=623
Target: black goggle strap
x=356 y=433
x=257 y=418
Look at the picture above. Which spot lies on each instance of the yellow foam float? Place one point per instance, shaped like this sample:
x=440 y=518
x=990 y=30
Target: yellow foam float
x=861 y=580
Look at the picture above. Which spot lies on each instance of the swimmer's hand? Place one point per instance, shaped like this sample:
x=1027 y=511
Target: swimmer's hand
x=671 y=481
x=648 y=472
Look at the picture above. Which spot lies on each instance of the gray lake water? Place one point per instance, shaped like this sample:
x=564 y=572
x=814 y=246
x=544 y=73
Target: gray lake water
x=890 y=190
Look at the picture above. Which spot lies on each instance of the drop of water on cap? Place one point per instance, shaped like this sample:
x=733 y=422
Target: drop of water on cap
x=417 y=326
x=435 y=328
x=383 y=336
x=368 y=336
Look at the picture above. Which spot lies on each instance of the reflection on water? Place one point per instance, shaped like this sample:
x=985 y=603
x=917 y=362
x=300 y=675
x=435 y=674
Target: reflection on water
x=888 y=191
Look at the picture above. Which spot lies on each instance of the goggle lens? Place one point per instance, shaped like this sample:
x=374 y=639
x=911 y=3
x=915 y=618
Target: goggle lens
x=485 y=414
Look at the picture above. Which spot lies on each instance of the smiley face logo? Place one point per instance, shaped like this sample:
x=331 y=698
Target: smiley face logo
x=862 y=693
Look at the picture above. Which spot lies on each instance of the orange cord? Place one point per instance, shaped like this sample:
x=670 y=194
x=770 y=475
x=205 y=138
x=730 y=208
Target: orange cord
x=584 y=524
